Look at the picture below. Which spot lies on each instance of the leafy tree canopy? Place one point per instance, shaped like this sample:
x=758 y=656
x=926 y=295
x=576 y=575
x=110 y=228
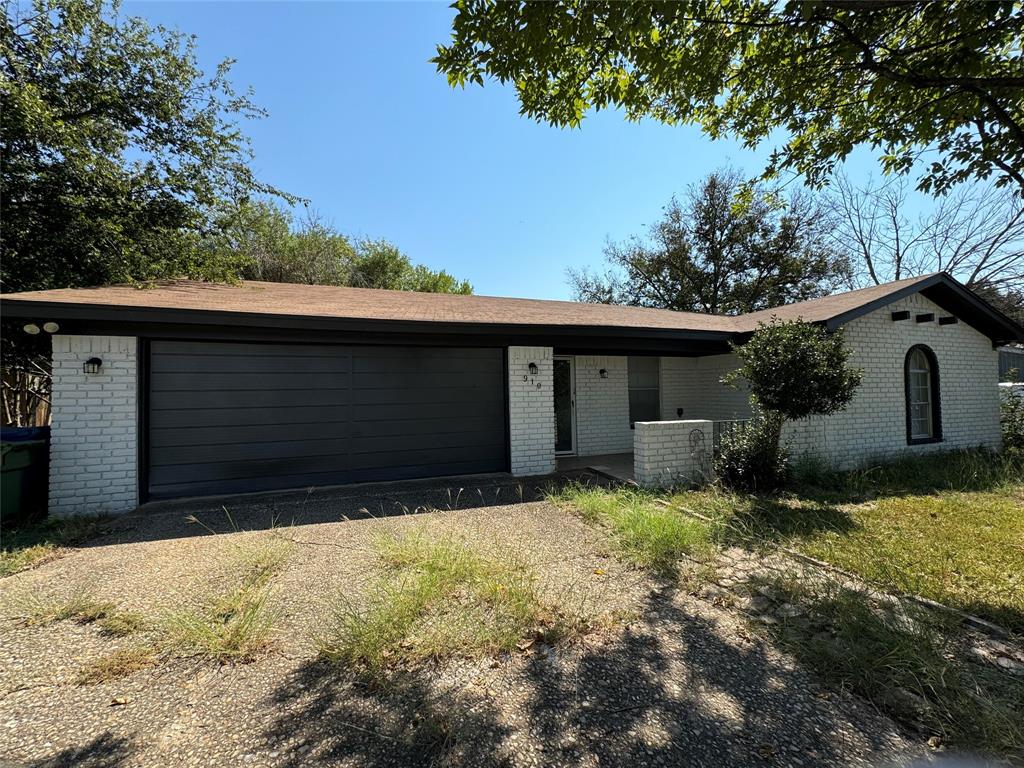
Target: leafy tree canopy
x=902 y=77
x=796 y=369
x=117 y=153
x=726 y=248
x=270 y=245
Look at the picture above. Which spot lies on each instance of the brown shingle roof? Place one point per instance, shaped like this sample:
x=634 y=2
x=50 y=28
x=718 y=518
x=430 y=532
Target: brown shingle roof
x=293 y=300
x=828 y=307
x=289 y=299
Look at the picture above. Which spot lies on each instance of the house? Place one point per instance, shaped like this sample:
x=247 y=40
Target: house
x=1011 y=364
x=190 y=389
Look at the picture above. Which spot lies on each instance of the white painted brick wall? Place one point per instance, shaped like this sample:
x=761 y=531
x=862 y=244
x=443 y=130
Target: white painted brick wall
x=93 y=437
x=602 y=406
x=667 y=453
x=694 y=384
x=873 y=426
x=531 y=411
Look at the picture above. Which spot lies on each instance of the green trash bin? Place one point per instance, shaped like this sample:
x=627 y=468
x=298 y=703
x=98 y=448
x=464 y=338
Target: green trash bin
x=24 y=474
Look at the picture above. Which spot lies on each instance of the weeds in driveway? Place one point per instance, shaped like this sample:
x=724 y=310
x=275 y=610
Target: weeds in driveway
x=237 y=623
x=118 y=664
x=645 y=532
x=84 y=609
x=440 y=596
x=902 y=657
x=35 y=543
x=120 y=623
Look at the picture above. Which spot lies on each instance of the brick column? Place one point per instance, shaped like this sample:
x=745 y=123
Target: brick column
x=94 y=434
x=531 y=409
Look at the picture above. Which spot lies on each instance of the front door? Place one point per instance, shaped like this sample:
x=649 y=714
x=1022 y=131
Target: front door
x=565 y=406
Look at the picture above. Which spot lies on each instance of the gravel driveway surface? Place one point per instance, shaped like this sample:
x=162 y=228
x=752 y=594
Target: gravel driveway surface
x=674 y=680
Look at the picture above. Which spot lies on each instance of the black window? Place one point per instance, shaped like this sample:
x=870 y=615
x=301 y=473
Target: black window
x=921 y=387
x=644 y=392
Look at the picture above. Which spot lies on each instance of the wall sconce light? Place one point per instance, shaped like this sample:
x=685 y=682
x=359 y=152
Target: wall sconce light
x=31 y=329
x=92 y=365
x=533 y=369
x=603 y=373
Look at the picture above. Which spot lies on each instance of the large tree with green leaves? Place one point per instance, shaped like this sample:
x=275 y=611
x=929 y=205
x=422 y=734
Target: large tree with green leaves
x=726 y=248
x=935 y=83
x=271 y=245
x=117 y=153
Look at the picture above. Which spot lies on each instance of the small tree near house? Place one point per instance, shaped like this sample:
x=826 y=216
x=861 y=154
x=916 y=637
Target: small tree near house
x=794 y=370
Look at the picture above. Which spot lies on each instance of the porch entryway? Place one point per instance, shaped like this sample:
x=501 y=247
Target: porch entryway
x=614 y=466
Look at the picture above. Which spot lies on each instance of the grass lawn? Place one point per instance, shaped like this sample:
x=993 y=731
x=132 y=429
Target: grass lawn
x=949 y=528
x=962 y=549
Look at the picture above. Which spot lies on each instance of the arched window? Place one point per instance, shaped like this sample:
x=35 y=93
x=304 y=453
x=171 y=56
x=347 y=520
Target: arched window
x=921 y=385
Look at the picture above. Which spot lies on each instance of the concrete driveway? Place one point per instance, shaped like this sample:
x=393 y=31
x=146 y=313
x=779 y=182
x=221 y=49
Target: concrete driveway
x=669 y=679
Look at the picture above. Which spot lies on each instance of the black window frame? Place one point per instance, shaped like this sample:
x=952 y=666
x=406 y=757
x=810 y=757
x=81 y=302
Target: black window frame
x=935 y=395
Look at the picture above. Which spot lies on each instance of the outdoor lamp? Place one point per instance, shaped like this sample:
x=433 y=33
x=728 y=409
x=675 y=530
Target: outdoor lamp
x=533 y=369
x=92 y=365
x=31 y=329
x=51 y=327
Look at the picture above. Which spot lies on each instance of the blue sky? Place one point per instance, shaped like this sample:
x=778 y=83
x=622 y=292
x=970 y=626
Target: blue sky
x=362 y=125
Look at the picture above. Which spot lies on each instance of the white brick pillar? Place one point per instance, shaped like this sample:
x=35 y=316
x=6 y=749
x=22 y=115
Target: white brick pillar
x=667 y=453
x=94 y=434
x=531 y=410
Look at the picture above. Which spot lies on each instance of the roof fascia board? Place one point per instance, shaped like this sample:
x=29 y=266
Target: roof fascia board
x=137 y=319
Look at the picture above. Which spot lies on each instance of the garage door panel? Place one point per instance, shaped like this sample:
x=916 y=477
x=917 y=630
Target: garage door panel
x=412 y=396
x=373 y=413
x=231 y=349
x=232 y=417
x=256 y=398
x=428 y=424
x=258 y=433
x=219 y=417
x=245 y=451
x=425 y=456
x=422 y=360
x=399 y=444
x=280 y=380
x=306 y=480
x=422 y=381
x=255 y=469
x=268 y=364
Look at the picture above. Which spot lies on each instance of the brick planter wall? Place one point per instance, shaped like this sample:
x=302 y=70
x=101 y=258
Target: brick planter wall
x=667 y=453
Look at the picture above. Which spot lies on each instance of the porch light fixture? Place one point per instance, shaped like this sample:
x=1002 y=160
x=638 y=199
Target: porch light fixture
x=533 y=369
x=92 y=365
x=31 y=329
x=604 y=373
x=51 y=327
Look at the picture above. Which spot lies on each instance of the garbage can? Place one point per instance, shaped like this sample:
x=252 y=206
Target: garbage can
x=24 y=474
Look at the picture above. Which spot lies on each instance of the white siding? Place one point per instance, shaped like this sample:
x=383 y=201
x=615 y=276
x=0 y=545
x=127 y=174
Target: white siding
x=93 y=443
x=873 y=426
x=694 y=384
x=602 y=406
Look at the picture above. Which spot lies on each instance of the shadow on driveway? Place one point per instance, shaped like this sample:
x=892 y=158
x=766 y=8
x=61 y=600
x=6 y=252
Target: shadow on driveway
x=255 y=512
x=672 y=689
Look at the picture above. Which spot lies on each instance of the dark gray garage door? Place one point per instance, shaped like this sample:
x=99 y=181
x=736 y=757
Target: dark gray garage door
x=230 y=418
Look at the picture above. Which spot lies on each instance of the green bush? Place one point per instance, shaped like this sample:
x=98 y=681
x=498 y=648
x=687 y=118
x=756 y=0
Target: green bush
x=1012 y=420
x=751 y=458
